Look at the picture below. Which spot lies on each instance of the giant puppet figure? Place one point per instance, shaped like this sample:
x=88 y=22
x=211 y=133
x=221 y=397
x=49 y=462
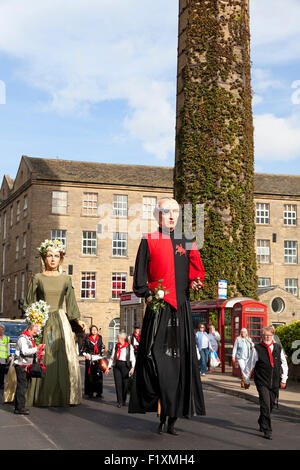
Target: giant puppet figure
x=167 y=374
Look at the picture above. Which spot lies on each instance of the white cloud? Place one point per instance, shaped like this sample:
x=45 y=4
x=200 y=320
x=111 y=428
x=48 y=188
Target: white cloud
x=276 y=138
x=84 y=52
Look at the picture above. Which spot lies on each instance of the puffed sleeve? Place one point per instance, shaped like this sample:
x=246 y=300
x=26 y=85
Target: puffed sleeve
x=31 y=294
x=140 y=277
x=196 y=268
x=71 y=303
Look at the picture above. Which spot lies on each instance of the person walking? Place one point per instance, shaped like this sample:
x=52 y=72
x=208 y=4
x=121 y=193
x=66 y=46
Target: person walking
x=270 y=374
x=204 y=347
x=93 y=346
x=4 y=354
x=123 y=362
x=242 y=348
x=24 y=355
x=214 y=339
x=166 y=379
x=135 y=339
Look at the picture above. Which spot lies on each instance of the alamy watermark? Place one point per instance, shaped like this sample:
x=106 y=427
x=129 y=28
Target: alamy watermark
x=136 y=223
x=296 y=354
x=2 y=92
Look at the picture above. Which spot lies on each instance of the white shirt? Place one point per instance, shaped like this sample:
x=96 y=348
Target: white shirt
x=123 y=356
x=253 y=360
x=24 y=351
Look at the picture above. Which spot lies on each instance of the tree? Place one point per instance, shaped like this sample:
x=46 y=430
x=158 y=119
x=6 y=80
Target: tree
x=214 y=162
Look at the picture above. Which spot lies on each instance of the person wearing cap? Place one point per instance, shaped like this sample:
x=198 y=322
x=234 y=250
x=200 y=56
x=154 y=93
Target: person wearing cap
x=270 y=374
x=123 y=362
x=166 y=378
x=4 y=353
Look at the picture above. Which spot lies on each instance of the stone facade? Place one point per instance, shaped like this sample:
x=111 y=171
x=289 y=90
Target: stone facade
x=88 y=192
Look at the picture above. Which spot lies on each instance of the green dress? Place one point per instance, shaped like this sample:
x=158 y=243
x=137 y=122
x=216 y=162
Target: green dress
x=62 y=384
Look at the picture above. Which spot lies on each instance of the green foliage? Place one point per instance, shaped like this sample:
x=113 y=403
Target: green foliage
x=214 y=152
x=287 y=335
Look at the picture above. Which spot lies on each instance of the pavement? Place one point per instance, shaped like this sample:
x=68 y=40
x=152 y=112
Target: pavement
x=289 y=398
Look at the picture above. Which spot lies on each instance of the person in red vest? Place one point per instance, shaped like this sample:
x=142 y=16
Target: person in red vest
x=135 y=338
x=166 y=378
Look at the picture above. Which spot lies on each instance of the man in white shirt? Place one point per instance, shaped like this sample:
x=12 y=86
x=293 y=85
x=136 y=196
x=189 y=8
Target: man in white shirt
x=270 y=373
x=123 y=362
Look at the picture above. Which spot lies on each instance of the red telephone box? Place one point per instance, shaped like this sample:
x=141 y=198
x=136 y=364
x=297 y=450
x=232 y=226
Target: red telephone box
x=251 y=315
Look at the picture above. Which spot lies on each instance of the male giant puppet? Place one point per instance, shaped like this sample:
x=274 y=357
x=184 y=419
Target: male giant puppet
x=167 y=373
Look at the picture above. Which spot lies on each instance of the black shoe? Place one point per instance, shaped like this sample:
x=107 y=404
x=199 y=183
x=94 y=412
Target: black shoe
x=171 y=429
x=160 y=429
x=119 y=405
x=99 y=395
x=24 y=411
x=268 y=435
x=124 y=403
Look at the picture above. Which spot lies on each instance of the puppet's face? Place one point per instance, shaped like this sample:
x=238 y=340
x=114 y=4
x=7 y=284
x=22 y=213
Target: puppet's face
x=52 y=260
x=168 y=213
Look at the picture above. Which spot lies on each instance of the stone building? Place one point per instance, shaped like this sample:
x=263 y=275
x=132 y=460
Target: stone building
x=98 y=210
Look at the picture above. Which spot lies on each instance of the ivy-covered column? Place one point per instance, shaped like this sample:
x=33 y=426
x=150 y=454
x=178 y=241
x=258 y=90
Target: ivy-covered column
x=214 y=162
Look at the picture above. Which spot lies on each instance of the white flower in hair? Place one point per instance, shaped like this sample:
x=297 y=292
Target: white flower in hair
x=55 y=245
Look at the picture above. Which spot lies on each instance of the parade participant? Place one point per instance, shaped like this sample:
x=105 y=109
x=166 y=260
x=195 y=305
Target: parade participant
x=123 y=362
x=62 y=384
x=270 y=373
x=24 y=354
x=242 y=348
x=93 y=345
x=4 y=354
x=135 y=338
x=166 y=375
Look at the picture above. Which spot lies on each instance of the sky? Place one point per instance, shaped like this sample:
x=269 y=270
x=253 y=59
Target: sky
x=95 y=80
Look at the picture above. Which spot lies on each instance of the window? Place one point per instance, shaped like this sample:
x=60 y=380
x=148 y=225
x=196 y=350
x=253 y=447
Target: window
x=89 y=243
x=254 y=327
x=88 y=285
x=118 y=284
x=16 y=288
x=4 y=225
x=17 y=247
x=120 y=203
x=127 y=320
x=22 y=285
x=290 y=214
x=3 y=259
x=90 y=204
x=149 y=204
x=263 y=251
x=119 y=244
x=18 y=211
x=134 y=317
x=290 y=252
x=113 y=331
x=264 y=281
x=291 y=285
x=11 y=215
x=60 y=235
x=25 y=208
x=24 y=243
x=59 y=202
x=278 y=305
x=262 y=213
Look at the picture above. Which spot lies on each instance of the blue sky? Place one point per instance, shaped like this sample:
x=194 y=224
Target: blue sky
x=95 y=80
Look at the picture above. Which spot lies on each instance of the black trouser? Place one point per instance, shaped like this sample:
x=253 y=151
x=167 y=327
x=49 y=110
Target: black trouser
x=121 y=376
x=22 y=386
x=267 y=399
x=2 y=374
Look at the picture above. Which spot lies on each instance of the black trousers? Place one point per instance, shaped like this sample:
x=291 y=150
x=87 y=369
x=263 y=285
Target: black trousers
x=22 y=386
x=267 y=400
x=121 y=376
x=2 y=374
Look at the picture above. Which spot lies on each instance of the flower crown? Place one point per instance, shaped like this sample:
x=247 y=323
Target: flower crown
x=55 y=245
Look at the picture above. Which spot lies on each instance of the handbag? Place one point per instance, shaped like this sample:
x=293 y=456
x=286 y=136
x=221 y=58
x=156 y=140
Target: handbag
x=214 y=359
x=37 y=369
